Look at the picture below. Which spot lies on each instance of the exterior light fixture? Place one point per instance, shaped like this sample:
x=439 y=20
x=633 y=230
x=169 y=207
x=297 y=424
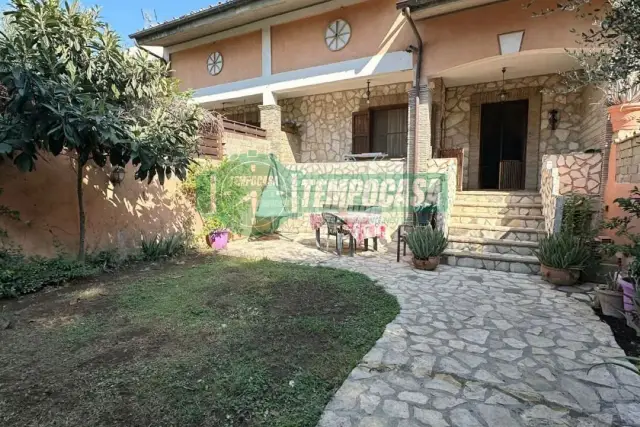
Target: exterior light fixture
x=510 y=42
x=368 y=94
x=553 y=119
x=503 y=93
x=117 y=175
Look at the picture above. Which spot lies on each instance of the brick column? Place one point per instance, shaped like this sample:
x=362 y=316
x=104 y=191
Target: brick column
x=271 y=121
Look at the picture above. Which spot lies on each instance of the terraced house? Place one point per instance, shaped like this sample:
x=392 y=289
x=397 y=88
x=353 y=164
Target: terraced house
x=410 y=82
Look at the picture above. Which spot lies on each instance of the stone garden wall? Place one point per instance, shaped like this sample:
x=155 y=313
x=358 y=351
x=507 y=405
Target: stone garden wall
x=237 y=144
x=381 y=184
x=324 y=120
x=462 y=121
x=564 y=174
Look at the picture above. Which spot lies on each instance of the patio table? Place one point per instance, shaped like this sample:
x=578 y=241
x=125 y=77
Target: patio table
x=361 y=225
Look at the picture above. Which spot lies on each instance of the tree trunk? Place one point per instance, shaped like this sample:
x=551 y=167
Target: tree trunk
x=81 y=245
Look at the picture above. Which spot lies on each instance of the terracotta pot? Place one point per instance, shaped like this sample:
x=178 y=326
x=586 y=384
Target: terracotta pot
x=429 y=264
x=625 y=116
x=610 y=302
x=557 y=276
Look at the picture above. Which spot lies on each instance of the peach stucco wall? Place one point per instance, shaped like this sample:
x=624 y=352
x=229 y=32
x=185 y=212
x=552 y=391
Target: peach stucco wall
x=376 y=26
x=117 y=216
x=470 y=35
x=242 y=57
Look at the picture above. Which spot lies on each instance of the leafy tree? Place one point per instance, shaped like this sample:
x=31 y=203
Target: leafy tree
x=610 y=54
x=72 y=89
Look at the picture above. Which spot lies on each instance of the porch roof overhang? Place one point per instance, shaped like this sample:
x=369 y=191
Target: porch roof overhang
x=394 y=67
x=231 y=18
x=421 y=9
x=518 y=65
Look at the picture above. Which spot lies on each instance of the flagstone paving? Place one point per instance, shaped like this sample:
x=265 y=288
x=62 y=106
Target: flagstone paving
x=475 y=348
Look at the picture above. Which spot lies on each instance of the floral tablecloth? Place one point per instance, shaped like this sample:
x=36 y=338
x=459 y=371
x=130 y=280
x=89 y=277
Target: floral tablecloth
x=361 y=225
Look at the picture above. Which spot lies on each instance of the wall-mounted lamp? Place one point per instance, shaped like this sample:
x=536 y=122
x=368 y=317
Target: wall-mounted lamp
x=117 y=175
x=554 y=119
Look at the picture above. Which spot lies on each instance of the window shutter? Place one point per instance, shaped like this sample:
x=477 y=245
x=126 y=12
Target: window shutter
x=360 y=132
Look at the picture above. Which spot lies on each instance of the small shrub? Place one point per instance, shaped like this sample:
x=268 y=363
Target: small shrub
x=564 y=251
x=164 y=247
x=21 y=275
x=426 y=242
x=109 y=259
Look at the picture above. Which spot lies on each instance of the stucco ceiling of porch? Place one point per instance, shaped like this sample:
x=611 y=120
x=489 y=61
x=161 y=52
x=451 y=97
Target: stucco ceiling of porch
x=518 y=65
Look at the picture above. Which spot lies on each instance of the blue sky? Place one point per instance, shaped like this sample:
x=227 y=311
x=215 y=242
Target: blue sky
x=125 y=16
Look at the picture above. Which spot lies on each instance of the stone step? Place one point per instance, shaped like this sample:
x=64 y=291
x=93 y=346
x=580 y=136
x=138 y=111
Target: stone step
x=511 y=197
x=490 y=208
x=499 y=262
x=523 y=221
x=480 y=245
x=496 y=232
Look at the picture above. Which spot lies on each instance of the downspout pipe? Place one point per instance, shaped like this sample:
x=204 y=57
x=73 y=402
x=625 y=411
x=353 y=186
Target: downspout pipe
x=416 y=85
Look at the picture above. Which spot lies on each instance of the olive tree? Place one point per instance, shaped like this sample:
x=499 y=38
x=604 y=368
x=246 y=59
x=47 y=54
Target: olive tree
x=71 y=88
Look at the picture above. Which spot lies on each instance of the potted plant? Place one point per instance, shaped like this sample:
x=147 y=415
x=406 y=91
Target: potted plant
x=629 y=248
x=427 y=245
x=216 y=234
x=623 y=100
x=562 y=257
x=218 y=238
x=608 y=297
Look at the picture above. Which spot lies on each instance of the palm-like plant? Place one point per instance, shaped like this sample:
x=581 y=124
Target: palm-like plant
x=425 y=242
x=563 y=251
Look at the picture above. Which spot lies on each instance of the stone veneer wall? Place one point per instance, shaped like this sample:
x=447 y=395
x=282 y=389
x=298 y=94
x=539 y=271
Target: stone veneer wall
x=237 y=144
x=594 y=119
x=462 y=116
x=564 y=174
x=628 y=160
x=351 y=186
x=325 y=120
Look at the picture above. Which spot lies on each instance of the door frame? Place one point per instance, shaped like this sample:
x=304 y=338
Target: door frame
x=523 y=148
x=532 y=146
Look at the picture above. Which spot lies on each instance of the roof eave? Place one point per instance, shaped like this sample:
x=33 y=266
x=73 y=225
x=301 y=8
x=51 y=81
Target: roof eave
x=174 y=25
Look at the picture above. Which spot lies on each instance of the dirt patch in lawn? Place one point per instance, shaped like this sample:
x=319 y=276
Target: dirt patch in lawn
x=220 y=342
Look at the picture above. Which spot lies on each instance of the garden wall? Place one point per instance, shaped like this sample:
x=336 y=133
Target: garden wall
x=564 y=174
x=117 y=216
x=383 y=184
x=236 y=144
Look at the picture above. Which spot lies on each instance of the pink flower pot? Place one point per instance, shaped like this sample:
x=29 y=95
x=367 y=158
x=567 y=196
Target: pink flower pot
x=629 y=293
x=218 y=239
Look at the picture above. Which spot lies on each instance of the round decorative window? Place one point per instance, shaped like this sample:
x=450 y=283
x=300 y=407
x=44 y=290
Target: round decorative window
x=214 y=63
x=337 y=35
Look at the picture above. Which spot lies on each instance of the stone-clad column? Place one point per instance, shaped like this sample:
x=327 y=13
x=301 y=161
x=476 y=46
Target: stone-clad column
x=420 y=151
x=271 y=121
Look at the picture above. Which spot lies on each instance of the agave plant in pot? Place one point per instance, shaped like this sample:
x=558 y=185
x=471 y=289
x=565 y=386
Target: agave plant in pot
x=562 y=257
x=426 y=245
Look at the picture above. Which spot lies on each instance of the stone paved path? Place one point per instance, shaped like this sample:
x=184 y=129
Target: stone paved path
x=475 y=348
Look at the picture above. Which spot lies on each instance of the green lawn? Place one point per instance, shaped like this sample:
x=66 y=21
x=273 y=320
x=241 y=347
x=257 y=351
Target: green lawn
x=219 y=342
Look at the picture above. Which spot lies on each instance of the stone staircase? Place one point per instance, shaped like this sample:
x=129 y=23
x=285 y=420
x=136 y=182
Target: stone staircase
x=496 y=230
